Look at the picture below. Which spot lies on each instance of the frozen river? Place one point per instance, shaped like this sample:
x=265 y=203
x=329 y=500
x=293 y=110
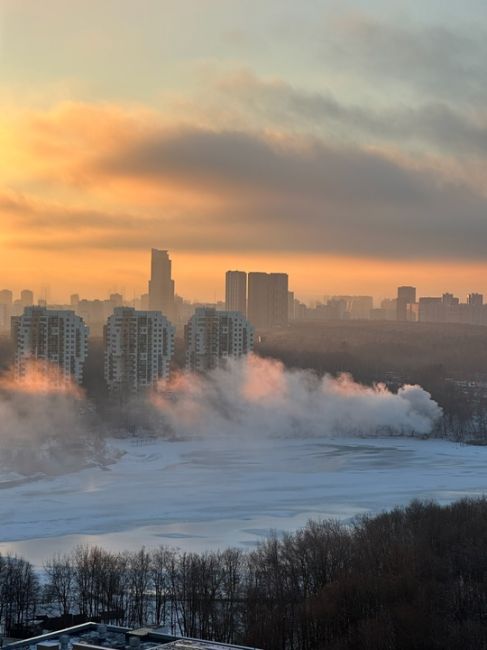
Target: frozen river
x=219 y=492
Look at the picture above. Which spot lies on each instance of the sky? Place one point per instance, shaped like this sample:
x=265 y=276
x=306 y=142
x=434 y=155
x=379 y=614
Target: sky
x=342 y=142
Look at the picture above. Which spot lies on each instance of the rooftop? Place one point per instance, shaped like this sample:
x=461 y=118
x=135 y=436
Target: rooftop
x=94 y=636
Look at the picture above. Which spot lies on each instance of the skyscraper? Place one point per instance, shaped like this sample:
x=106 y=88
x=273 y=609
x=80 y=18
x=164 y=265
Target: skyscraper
x=53 y=338
x=139 y=346
x=405 y=296
x=258 y=308
x=213 y=336
x=279 y=289
x=161 y=284
x=236 y=291
x=268 y=300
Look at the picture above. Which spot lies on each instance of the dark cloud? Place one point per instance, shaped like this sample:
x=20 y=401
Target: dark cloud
x=447 y=62
x=432 y=124
x=23 y=212
x=307 y=196
x=243 y=191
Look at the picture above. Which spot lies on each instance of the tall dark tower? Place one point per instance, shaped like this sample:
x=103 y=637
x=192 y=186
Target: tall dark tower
x=236 y=291
x=161 y=284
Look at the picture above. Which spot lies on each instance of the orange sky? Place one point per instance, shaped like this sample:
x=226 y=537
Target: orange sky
x=349 y=176
x=201 y=276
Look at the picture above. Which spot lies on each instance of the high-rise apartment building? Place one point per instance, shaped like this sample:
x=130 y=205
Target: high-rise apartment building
x=258 y=309
x=236 y=291
x=213 y=336
x=279 y=289
x=267 y=304
x=139 y=346
x=405 y=296
x=161 y=284
x=52 y=338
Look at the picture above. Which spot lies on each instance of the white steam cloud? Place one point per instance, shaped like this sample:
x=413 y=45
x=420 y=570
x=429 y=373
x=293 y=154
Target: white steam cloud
x=44 y=426
x=47 y=427
x=256 y=396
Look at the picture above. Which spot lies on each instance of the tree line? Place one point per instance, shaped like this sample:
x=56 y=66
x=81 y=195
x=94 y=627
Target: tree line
x=412 y=578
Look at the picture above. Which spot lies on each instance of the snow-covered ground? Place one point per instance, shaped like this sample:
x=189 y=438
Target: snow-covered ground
x=220 y=491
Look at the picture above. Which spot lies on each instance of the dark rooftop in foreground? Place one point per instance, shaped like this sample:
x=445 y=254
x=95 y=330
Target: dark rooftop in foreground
x=95 y=636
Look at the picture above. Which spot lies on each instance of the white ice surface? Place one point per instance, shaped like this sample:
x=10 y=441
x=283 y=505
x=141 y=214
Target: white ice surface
x=220 y=492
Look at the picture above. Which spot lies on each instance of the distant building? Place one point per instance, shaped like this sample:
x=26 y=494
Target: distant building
x=389 y=307
x=6 y=300
x=475 y=299
x=144 y=302
x=356 y=307
x=300 y=310
x=55 y=337
x=279 y=290
x=267 y=304
x=4 y=317
x=116 y=299
x=431 y=310
x=236 y=291
x=27 y=298
x=94 y=313
x=477 y=312
x=6 y=297
x=139 y=346
x=405 y=296
x=161 y=284
x=360 y=307
x=213 y=336
x=258 y=309
x=291 y=313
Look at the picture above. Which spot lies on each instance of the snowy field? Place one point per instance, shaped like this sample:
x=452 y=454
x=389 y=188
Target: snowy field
x=217 y=492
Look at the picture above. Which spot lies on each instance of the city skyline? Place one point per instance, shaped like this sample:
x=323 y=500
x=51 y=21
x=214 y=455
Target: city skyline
x=469 y=280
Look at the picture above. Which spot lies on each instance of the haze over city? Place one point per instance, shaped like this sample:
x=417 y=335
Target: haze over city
x=343 y=142
x=243 y=325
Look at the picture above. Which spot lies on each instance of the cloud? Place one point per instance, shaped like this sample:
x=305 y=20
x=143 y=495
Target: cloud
x=141 y=180
x=438 y=61
x=437 y=124
x=303 y=194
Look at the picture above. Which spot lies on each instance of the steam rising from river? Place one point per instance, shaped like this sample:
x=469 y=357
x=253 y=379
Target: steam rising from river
x=256 y=397
x=46 y=425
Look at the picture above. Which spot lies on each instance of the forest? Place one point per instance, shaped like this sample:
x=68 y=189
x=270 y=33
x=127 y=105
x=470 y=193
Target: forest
x=412 y=578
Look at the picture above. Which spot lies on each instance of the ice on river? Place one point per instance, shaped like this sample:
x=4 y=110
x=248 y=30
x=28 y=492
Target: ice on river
x=211 y=493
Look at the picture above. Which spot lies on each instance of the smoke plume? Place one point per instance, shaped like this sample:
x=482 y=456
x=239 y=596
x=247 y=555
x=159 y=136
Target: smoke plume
x=256 y=396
